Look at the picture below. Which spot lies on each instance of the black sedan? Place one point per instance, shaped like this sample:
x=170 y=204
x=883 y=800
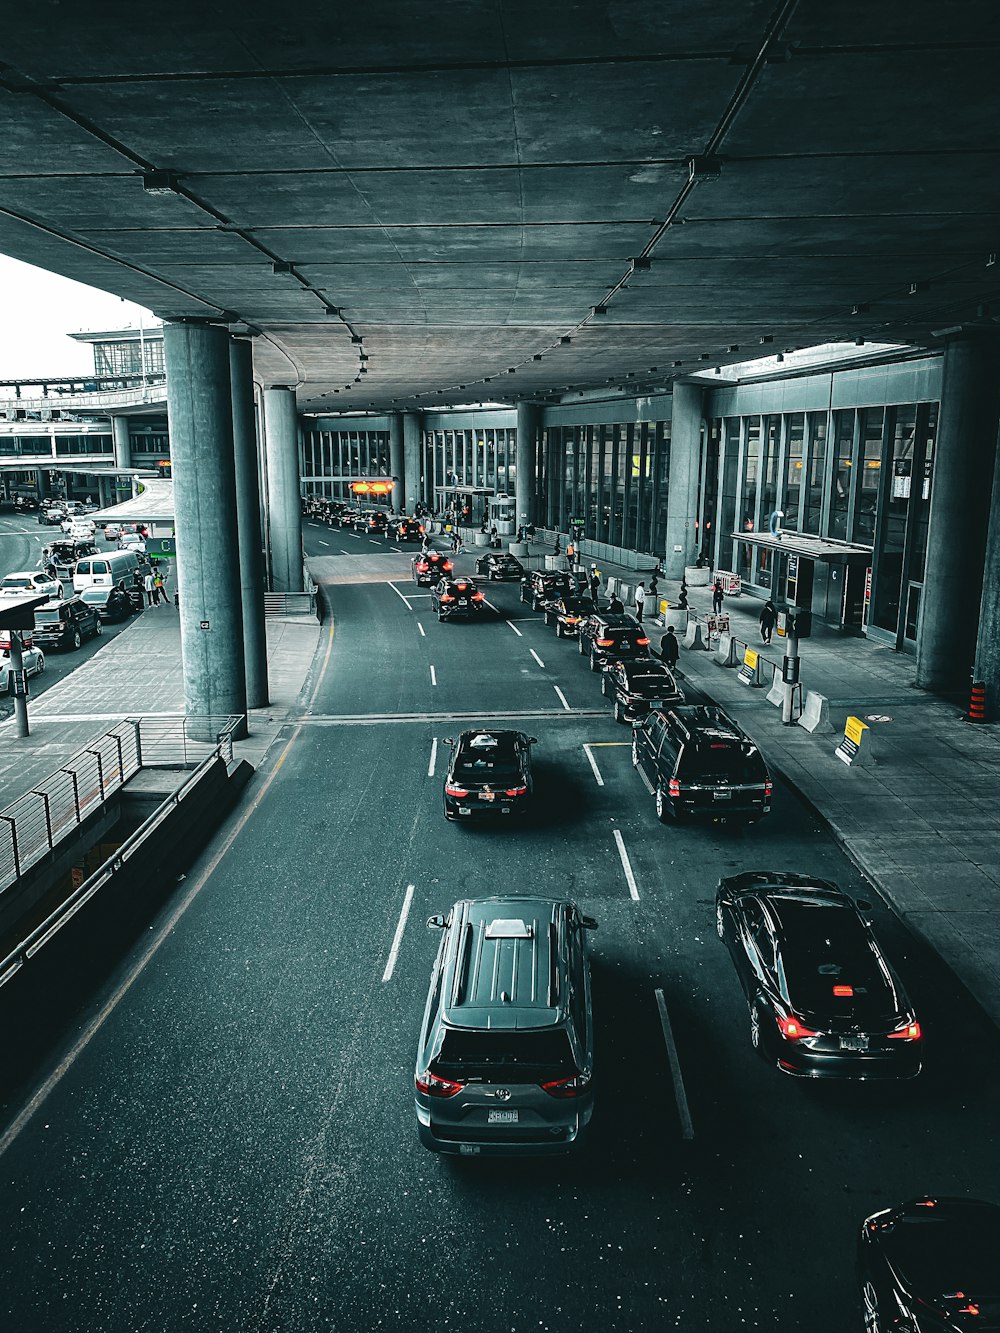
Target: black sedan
x=637 y=685
x=566 y=613
x=429 y=566
x=116 y=603
x=489 y=775
x=406 y=530
x=457 y=597
x=824 y=1001
x=499 y=566
x=932 y=1265
x=542 y=585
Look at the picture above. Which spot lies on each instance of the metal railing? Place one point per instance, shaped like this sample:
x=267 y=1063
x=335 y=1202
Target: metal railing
x=293 y=603
x=34 y=824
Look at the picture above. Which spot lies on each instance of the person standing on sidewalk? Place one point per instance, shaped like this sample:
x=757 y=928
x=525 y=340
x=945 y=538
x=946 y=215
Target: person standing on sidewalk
x=670 y=649
x=640 y=602
x=595 y=584
x=159 y=588
x=149 y=586
x=768 y=617
x=717 y=598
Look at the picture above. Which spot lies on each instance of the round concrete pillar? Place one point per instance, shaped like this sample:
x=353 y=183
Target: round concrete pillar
x=400 y=494
x=200 y=411
x=283 y=497
x=412 y=428
x=248 y=521
x=526 y=456
x=965 y=457
x=686 y=410
x=121 y=442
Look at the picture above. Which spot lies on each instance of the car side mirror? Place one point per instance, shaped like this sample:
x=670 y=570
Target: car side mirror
x=863 y=904
x=437 y=922
x=588 y=922
x=532 y=740
x=449 y=740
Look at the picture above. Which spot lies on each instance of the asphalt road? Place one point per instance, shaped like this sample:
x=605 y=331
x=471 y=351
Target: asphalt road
x=226 y=1139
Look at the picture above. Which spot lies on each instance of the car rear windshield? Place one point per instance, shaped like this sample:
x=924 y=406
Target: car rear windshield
x=487 y=762
x=47 y=617
x=827 y=946
x=510 y=1057
x=649 y=682
x=940 y=1258
x=16 y=583
x=721 y=761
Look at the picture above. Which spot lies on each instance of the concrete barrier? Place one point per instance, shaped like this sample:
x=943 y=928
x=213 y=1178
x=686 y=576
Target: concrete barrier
x=726 y=653
x=816 y=714
x=697 y=578
x=694 y=636
x=776 y=694
x=856 y=747
x=750 y=666
x=611 y=585
x=625 y=593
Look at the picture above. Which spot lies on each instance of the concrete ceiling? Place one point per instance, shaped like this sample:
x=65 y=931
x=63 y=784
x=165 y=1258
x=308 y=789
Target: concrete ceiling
x=414 y=202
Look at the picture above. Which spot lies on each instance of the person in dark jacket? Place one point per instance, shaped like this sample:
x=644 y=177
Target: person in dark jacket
x=768 y=618
x=717 y=598
x=615 y=606
x=670 y=649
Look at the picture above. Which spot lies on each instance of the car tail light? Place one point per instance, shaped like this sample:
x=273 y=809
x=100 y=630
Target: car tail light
x=515 y=791
x=642 y=643
x=433 y=1086
x=971 y=1308
x=447 y=564
x=462 y=587
x=674 y=787
x=908 y=1032
x=572 y=620
x=451 y=789
x=421 y=528
x=422 y=567
x=567 y=1087
x=768 y=787
x=477 y=597
x=605 y=643
x=446 y=597
x=794 y=1029
x=843 y=990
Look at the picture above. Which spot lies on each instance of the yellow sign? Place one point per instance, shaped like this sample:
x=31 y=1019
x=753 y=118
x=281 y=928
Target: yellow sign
x=750 y=659
x=854 y=729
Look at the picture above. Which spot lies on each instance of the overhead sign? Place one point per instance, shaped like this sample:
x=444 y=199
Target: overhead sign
x=371 y=487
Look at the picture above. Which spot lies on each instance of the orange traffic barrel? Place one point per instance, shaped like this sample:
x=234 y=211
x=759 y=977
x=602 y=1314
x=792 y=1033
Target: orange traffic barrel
x=977 y=703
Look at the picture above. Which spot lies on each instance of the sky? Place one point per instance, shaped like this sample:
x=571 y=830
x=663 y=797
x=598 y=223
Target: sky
x=38 y=309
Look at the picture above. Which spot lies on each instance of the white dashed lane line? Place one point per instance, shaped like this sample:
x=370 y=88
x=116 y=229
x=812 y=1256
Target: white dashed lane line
x=397 y=939
x=434 y=755
x=322 y=542
x=434 y=679
x=626 y=866
x=537 y=658
x=421 y=629
x=562 y=697
x=516 y=630
x=593 y=764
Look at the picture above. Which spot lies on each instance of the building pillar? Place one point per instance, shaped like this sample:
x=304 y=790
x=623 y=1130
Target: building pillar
x=525 y=482
x=965 y=459
x=284 y=500
x=551 y=479
x=121 y=442
x=400 y=491
x=200 y=412
x=412 y=423
x=248 y=521
x=687 y=407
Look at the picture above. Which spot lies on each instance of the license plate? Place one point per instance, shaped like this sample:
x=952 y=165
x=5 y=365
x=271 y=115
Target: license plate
x=501 y=1117
x=487 y=795
x=463 y=601
x=655 y=703
x=722 y=795
x=469 y=1149
x=465 y=809
x=854 y=1043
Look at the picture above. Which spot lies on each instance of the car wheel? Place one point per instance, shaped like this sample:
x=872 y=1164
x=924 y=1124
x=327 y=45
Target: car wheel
x=619 y=711
x=98 y=628
x=873 y=1320
x=755 y=1036
x=720 y=928
x=559 y=629
x=662 y=811
x=76 y=639
x=594 y=664
x=522 y=596
x=41 y=664
x=581 y=647
x=635 y=753
x=604 y=685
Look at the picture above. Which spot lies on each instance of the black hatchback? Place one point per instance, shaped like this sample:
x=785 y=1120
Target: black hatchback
x=489 y=775
x=931 y=1264
x=428 y=568
x=824 y=1001
x=567 y=613
x=610 y=638
x=636 y=685
x=541 y=585
x=457 y=597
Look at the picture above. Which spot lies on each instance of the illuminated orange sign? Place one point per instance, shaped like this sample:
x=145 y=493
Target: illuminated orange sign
x=371 y=487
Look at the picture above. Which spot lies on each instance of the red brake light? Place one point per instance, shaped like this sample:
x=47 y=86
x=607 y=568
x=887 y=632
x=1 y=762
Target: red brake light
x=515 y=791
x=567 y=1087
x=674 y=787
x=447 y=597
x=447 y=564
x=462 y=587
x=908 y=1032
x=642 y=643
x=843 y=990
x=971 y=1308
x=794 y=1029
x=604 y=643
x=768 y=787
x=477 y=596
x=422 y=567
x=451 y=789
x=432 y=1086
x=421 y=527
x=572 y=620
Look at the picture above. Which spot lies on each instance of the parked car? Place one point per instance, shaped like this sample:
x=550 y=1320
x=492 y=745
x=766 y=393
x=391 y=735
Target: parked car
x=29 y=583
x=541 y=585
x=824 y=1000
x=608 y=638
x=500 y=566
x=931 y=1266
x=453 y=597
x=65 y=624
x=34 y=664
x=566 y=613
x=406 y=529
x=429 y=566
x=489 y=775
x=637 y=685
x=505 y=1059
x=695 y=760
x=115 y=603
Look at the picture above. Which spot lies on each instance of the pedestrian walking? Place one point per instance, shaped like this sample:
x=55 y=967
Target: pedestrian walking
x=595 y=584
x=717 y=598
x=159 y=588
x=640 y=602
x=670 y=649
x=149 y=587
x=494 y=536
x=768 y=618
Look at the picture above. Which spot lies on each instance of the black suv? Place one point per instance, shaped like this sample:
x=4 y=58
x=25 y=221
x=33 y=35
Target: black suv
x=457 y=597
x=489 y=774
x=609 y=638
x=541 y=585
x=65 y=624
x=696 y=761
x=566 y=614
x=406 y=529
x=499 y=565
x=637 y=685
x=429 y=566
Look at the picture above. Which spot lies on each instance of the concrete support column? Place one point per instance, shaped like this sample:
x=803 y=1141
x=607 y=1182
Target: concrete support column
x=965 y=459
x=412 y=427
x=284 y=500
x=682 y=483
x=121 y=442
x=552 y=478
x=525 y=481
x=200 y=411
x=248 y=521
x=400 y=491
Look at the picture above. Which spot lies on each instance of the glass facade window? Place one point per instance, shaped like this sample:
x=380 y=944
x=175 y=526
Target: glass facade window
x=69 y=446
x=126 y=357
x=868 y=479
x=794 y=446
x=816 y=473
x=842 y=473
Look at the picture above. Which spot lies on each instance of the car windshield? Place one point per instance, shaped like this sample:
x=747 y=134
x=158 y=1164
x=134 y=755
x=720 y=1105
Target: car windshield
x=509 y=1056
x=722 y=761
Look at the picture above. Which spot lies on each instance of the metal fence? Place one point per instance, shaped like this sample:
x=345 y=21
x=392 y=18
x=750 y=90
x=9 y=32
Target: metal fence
x=33 y=825
x=292 y=603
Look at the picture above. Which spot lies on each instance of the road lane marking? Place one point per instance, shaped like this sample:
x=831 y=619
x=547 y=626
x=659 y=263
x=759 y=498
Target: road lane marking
x=562 y=697
x=494 y=609
x=434 y=755
x=397 y=549
x=593 y=765
x=434 y=679
x=392 y=719
x=537 y=658
x=683 y=1110
x=515 y=629
x=421 y=629
x=397 y=939
x=322 y=542
x=626 y=865
x=400 y=595
x=343 y=552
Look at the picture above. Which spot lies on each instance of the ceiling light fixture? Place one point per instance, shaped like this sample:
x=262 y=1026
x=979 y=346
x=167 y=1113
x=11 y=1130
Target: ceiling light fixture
x=991 y=259
x=281 y=266
x=159 y=182
x=860 y=309
x=919 y=286
x=703 y=168
x=565 y=340
x=767 y=338
x=598 y=309
x=734 y=347
x=357 y=339
x=537 y=356
x=641 y=262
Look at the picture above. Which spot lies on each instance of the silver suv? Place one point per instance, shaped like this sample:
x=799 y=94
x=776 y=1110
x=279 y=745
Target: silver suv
x=506 y=1052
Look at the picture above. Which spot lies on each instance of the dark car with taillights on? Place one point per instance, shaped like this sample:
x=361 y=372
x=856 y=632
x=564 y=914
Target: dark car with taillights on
x=824 y=1000
x=541 y=585
x=637 y=685
x=608 y=637
x=499 y=567
x=566 y=613
x=489 y=775
x=454 y=597
x=429 y=566
x=405 y=529
x=931 y=1265
x=696 y=761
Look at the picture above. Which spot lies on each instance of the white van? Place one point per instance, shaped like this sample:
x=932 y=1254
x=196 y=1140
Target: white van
x=104 y=571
